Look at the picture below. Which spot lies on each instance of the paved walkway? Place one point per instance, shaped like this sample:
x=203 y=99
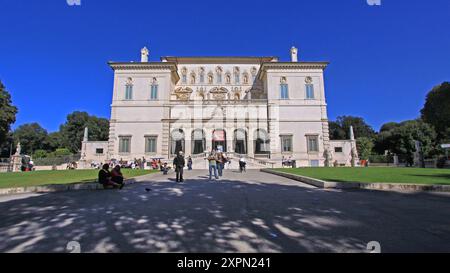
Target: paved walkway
x=252 y=212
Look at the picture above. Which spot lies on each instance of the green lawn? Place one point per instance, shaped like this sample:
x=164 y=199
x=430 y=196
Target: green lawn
x=23 y=179
x=375 y=174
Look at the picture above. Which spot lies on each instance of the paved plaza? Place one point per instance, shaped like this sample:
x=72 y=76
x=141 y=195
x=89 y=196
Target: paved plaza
x=251 y=212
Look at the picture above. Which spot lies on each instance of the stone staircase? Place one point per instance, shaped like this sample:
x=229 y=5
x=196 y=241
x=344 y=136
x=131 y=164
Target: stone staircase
x=199 y=162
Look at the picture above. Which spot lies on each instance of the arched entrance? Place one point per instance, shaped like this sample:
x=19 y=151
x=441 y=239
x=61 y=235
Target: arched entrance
x=262 y=142
x=198 y=141
x=219 y=140
x=177 y=141
x=240 y=141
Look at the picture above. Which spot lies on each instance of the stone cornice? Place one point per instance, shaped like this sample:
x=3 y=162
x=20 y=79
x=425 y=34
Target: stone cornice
x=220 y=59
x=294 y=65
x=146 y=66
x=290 y=66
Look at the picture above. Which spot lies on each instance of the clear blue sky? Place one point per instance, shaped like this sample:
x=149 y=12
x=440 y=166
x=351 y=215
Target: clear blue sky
x=384 y=59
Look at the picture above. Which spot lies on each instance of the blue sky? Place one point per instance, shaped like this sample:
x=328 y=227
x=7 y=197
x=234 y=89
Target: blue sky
x=384 y=59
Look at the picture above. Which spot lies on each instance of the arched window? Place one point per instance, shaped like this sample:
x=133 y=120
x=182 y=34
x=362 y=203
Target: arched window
x=237 y=78
x=202 y=74
x=240 y=141
x=219 y=74
x=198 y=141
x=261 y=142
x=284 y=89
x=309 y=87
x=184 y=75
x=177 y=141
x=129 y=89
x=154 y=89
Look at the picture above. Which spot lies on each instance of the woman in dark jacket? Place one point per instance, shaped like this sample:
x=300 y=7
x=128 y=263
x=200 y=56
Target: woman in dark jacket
x=117 y=176
x=104 y=178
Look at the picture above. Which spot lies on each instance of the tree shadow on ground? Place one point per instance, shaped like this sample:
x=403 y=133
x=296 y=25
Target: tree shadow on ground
x=225 y=216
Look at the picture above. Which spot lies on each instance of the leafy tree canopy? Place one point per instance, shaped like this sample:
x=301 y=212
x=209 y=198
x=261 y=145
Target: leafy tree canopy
x=31 y=136
x=341 y=128
x=72 y=131
x=7 y=113
x=436 y=110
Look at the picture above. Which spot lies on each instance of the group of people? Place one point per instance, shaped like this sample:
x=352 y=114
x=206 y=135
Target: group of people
x=111 y=179
x=288 y=162
x=216 y=163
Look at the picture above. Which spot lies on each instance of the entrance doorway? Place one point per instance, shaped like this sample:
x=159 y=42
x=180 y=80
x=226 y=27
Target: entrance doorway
x=219 y=140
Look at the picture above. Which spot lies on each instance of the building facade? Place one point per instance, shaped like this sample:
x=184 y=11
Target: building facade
x=258 y=107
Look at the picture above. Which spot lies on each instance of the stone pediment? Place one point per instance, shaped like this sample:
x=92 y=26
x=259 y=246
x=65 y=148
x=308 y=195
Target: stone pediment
x=183 y=93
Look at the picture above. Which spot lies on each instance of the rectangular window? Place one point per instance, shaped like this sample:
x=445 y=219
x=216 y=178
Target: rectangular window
x=129 y=92
x=219 y=78
x=237 y=78
x=286 y=144
x=314 y=163
x=284 y=92
x=309 y=91
x=338 y=149
x=313 y=144
x=124 y=144
x=99 y=151
x=150 y=144
x=202 y=78
x=184 y=79
x=154 y=92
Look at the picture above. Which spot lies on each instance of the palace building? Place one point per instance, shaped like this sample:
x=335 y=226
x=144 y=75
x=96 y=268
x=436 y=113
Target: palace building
x=258 y=107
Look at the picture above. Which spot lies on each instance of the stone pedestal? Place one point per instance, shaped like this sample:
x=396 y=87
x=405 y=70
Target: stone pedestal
x=16 y=162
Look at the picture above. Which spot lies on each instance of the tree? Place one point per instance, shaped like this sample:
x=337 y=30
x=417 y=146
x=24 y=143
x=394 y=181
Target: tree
x=72 y=131
x=7 y=148
x=436 y=110
x=401 y=139
x=336 y=132
x=7 y=113
x=364 y=146
x=341 y=128
x=31 y=136
x=53 y=141
x=389 y=126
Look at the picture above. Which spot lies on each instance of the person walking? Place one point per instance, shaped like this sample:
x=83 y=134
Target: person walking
x=212 y=163
x=189 y=163
x=179 y=163
x=220 y=163
x=242 y=164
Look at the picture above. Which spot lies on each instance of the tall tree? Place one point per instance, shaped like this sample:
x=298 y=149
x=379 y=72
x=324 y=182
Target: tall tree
x=364 y=146
x=436 y=110
x=401 y=139
x=7 y=113
x=336 y=131
x=31 y=136
x=73 y=130
x=340 y=129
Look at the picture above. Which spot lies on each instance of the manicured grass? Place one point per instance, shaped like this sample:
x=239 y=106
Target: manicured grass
x=24 y=179
x=375 y=174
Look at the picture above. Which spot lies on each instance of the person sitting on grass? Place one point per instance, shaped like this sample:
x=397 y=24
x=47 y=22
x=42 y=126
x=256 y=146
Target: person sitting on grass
x=104 y=178
x=117 y=176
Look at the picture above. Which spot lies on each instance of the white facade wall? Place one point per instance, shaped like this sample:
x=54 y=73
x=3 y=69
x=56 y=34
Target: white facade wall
x=186 y=103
